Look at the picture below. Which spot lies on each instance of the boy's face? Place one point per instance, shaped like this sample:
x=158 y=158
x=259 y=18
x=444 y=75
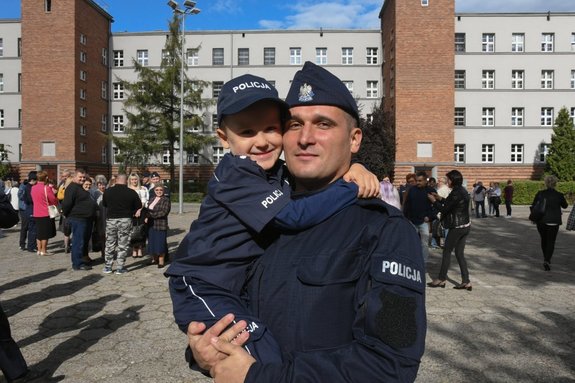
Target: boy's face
x=255 y=132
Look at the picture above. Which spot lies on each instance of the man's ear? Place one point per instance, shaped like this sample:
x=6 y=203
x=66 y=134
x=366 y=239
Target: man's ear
x=356 y=135
x=223 y=138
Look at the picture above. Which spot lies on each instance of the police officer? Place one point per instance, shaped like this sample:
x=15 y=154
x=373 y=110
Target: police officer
x=345 y=298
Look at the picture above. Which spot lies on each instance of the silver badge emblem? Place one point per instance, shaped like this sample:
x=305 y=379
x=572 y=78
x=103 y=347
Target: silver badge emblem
x=305 y=93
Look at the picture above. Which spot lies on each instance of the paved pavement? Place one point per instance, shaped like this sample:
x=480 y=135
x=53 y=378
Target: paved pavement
x=518 y=323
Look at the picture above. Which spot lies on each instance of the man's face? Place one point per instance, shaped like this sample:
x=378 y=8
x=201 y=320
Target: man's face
x=318 y=144
x=79 y=178
x=255 y=132
x=421 y=181
x=155 y=179
x=411 y=181
x=432 y=183
x=64 y=176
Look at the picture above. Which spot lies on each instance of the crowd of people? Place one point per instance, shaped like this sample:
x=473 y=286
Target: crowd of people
x=94 y=215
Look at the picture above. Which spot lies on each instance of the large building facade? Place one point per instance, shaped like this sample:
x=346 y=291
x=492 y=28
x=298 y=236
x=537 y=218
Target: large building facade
x=478 y=92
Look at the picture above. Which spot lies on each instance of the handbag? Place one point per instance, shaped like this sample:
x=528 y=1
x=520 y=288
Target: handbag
x=538 y=210
x=53 y=210
x=138 y=234
x=571 y=220
x=8 y=216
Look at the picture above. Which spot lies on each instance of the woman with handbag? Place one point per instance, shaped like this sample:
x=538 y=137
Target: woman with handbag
x=548 y=224
x=157 y=220
x=44 y=200
x=454 y=216
x=138 y=240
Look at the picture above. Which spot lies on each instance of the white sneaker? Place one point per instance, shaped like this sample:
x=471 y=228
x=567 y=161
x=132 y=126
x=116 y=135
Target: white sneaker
x=507 y=216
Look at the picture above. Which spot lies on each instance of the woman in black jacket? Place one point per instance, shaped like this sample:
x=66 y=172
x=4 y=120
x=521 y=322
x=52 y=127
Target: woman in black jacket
x=548 y=226
x=454 y=217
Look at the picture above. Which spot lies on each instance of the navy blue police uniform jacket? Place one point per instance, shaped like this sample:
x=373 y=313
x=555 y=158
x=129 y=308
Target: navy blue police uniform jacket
x=229 y=232
x=345 y=299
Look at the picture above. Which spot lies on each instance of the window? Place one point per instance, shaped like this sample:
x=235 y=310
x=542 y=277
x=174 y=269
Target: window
x=218 y=56
x=82 y=130
x=48 y=149
x=372 y=91
x=488 y=117
x=83 y=56
x=82 y=94
x=488 y=42
x=193 y=57
x=349 y=85
x=142 y=57
x=218 y=154
x=19 y=82
x=118 y=58
x=115 y=154
x=321 y=56
x=215 y=124
x=517 y=79
x=217 y=88
x=104 y=123
x=83 y=75
x=459 y=79
x=1 y=47
x=118 y=124
x=371 y=56
x=460 y=42
x=104 y=90
x=546 y=116
x=166 y=157
x=295 y=56
x=118 y=91
x=83 y=39
x=459 y=153
x=193 y=158
x=518 y=42
x=347 y=56
x=19 y=47
x=517 y=153
x=1 y=118
x=488 y=79
x=1 y=82
x=424 y=150
x=573 y=113
x=104 y=154
x=243 y=56
x=424 y=3
x=47 y=5
x=572 y=79
x=166 y=58
x=459 y=117
x=269 y=56
x=517 y=116
x=83 y=112
x=546 y=79
x=105 y=56
x=543 y=152
x=487 y=153
x=572 y=42
x=20 y=119
x=547 y=42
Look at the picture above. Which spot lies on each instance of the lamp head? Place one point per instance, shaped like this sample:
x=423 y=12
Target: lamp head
x=189 y=4
x=195 y=11
x=173 y=4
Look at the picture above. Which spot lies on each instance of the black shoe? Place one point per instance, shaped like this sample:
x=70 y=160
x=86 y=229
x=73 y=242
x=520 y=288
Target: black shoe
x=32 y=376
x=437 y=284
x=547 y=266
x=463 y=286
x=33 y=250
x=83 y=267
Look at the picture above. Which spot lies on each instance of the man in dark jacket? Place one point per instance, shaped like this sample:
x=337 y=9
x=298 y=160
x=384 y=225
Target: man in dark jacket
x=78 y=208
x=121 y=204
x=418 y=210
x=26 y=207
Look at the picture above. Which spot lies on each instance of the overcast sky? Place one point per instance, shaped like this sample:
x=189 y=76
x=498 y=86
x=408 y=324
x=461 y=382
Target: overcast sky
x=147 y=15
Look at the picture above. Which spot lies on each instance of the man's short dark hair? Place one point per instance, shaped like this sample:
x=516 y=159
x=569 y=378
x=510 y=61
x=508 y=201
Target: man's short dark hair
x=456 y=178
x=421 y=173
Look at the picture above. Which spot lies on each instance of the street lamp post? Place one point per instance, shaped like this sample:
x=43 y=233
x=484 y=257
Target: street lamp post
x=189 y=9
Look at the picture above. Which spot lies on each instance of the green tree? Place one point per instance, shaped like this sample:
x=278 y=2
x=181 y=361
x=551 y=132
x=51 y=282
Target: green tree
x=152 y=109
x=5 y=165
x=561 y=158
x=377 y=151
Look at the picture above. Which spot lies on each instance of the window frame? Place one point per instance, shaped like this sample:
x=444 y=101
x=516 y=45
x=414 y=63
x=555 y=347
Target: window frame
x=487 y=153
x=371 y=56
x=269 y=56
x=517 y=153
x=295 y=56
x=372 y=89
x=460 y=43
x=193 y=57
x=517 y=80
x=547 y=42
x=488 y=42
x=517 y=116
x=243 y=56
x=518 y=45
x=118 y=125
x=216 y=88
x=118 y=91
x=347 y=56
x=218 y=60
x=321 y=56
x=143 y=57
x=487 y=116
x=547 y=116
x=118 y=58
x=459 y=152
x=547 y=79
x=488 y=79
x=458 y=80
x=459 y=116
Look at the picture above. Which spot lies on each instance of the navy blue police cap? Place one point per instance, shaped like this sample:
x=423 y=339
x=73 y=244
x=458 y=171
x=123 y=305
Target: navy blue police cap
x=244 y=91
x=314 y=85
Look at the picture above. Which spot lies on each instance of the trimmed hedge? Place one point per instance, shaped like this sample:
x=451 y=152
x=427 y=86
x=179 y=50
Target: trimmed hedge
x=524 y=191
x=188 y=197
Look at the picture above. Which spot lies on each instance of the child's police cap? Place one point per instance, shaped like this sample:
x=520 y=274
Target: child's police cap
x=314 y=85
x=244 y=91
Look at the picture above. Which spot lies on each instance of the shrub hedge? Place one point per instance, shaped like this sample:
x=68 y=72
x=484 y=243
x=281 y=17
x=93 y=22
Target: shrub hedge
x=524 y=191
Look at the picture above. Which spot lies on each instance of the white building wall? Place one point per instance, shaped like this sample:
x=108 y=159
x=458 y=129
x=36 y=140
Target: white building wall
x=10 y=98
x=503 y=98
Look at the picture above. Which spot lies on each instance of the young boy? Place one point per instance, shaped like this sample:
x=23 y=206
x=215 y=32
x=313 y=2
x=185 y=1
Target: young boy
x=248 y=191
